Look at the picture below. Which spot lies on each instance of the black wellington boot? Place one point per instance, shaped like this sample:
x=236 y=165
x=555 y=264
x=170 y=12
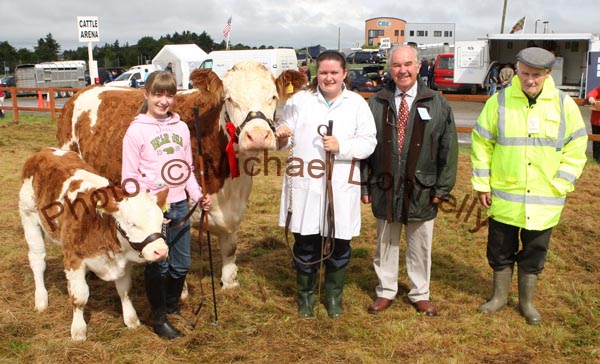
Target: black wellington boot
x=174 y=288
x=156 y=292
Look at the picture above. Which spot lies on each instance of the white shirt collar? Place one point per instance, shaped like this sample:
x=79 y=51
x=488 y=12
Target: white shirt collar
x=412 y=92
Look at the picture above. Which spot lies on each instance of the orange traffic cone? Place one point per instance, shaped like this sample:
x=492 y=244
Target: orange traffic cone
x=47 y=105
x=40 y=100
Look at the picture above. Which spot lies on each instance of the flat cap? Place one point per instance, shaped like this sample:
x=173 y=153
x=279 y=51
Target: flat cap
x=536 y=57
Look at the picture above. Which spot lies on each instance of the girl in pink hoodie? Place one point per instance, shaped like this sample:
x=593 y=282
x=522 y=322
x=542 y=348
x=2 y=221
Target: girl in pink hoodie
x=157 y=154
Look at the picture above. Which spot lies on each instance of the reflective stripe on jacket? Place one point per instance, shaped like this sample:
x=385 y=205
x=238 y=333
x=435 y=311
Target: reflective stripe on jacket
x=529 y=157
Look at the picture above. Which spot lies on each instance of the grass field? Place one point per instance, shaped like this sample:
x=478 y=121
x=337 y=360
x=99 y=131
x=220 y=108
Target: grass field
x=258 y=321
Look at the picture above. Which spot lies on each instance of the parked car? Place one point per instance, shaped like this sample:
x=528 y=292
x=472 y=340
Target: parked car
x=103 y=74
x=366 y=79
x=8 y=81
x=443 y=76
x=372 y=57
x=127 y=78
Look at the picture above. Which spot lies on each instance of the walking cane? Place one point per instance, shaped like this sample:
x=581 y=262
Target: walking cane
x=205 y=215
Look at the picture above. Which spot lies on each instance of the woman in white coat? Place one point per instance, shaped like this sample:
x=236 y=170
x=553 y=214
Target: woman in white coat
x=304 y=195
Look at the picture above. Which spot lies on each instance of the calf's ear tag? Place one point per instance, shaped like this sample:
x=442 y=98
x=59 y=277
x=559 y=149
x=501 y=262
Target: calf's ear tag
x=289 y=89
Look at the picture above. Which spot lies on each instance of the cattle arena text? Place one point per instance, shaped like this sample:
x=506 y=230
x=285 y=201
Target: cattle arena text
x=77 y=207
x=88 y=28
x=88 y=34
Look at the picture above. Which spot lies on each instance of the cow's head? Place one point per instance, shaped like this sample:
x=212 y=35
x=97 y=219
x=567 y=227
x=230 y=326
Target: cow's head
x=139 y=219
x=251 y=96
x=250 y=101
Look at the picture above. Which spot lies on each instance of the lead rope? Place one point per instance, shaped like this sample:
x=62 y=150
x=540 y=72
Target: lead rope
x=328 y=235
x=288 y=218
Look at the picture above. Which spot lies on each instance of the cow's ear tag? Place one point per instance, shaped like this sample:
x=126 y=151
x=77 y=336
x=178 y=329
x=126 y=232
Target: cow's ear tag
x=289 y=89
x=100 y=206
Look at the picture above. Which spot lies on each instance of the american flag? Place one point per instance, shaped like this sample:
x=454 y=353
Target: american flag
x=227 y=28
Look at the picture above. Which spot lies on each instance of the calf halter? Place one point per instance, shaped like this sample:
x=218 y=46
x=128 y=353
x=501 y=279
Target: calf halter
x=141 y=245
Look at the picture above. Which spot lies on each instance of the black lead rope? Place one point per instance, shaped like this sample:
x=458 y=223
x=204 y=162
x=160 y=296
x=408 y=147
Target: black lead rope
x=166 y=226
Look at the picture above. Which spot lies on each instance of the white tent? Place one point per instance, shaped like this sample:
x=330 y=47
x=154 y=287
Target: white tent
x=184 y=57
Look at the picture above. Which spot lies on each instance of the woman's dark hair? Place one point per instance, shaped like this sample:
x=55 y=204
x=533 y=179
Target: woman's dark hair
x=333 y=56
x=159 y=82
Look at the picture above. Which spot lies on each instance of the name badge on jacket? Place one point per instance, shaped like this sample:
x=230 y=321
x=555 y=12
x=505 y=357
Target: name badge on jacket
x=423 y=113
x=533 y=125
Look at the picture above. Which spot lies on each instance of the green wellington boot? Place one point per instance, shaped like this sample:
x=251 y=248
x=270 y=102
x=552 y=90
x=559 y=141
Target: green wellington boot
x=334 y=288
x=502 y=281
x=527 y=283
x=306 y=284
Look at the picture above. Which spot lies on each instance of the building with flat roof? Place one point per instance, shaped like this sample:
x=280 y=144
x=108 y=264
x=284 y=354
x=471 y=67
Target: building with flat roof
x=399 y=32
x=378 y=28
x=430 y=33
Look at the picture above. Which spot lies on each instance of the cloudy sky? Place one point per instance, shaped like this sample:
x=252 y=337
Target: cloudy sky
x=295 y=23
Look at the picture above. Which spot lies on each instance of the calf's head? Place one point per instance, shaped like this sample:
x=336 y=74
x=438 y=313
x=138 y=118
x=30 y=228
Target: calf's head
x=139 y=219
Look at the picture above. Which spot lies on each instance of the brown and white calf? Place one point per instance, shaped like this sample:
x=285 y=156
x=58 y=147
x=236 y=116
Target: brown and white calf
x=94 y=121
x=101 y=228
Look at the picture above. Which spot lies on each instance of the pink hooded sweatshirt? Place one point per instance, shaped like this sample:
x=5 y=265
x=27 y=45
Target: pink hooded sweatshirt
x=157 y=154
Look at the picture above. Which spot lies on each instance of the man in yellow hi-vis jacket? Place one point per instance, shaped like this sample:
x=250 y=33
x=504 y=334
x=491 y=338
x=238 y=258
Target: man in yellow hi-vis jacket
x=528 y=149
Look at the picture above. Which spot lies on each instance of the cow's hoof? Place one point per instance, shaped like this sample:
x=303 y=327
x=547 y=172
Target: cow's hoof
x=41 y=301
x=184 y=292
x=133 y=324
x=78 y=335
x=230 y=285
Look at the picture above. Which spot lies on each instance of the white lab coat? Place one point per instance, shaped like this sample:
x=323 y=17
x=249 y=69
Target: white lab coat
x=354 y=127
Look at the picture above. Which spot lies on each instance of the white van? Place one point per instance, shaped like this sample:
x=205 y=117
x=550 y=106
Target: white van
x=275 y=60
x=143 y=67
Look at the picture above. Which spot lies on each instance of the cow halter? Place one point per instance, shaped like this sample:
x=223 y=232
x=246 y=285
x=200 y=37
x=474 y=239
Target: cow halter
x=251 y=115
x=141 y=245
x=234 y=134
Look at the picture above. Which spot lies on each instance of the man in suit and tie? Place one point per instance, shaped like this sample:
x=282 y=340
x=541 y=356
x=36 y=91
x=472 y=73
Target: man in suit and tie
x=412 y=170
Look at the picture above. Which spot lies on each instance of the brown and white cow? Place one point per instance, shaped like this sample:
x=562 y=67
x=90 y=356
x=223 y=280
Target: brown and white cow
x=100 y=227
x=94 y=121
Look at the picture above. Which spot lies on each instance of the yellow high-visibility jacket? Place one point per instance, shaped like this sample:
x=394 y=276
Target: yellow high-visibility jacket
x=528 y=157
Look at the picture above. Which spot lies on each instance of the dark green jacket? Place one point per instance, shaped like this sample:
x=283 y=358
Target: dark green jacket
x=402 y=189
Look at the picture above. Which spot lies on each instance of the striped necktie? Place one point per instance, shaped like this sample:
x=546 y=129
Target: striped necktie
x=402 y=122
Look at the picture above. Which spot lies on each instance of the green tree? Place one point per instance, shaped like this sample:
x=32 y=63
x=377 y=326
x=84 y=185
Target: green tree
x=24 y=55
x=81 y=53
x=205 y=42
x=147 y=48
x=8 y=57
x=47 y=49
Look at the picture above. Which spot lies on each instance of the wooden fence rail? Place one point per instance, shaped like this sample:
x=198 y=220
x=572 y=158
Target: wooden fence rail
x=47 y=103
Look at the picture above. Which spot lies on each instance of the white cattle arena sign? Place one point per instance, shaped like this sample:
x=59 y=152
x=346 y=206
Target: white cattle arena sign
x=88 y=28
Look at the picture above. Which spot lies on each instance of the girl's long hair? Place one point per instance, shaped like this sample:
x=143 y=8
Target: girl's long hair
x=159 y=82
